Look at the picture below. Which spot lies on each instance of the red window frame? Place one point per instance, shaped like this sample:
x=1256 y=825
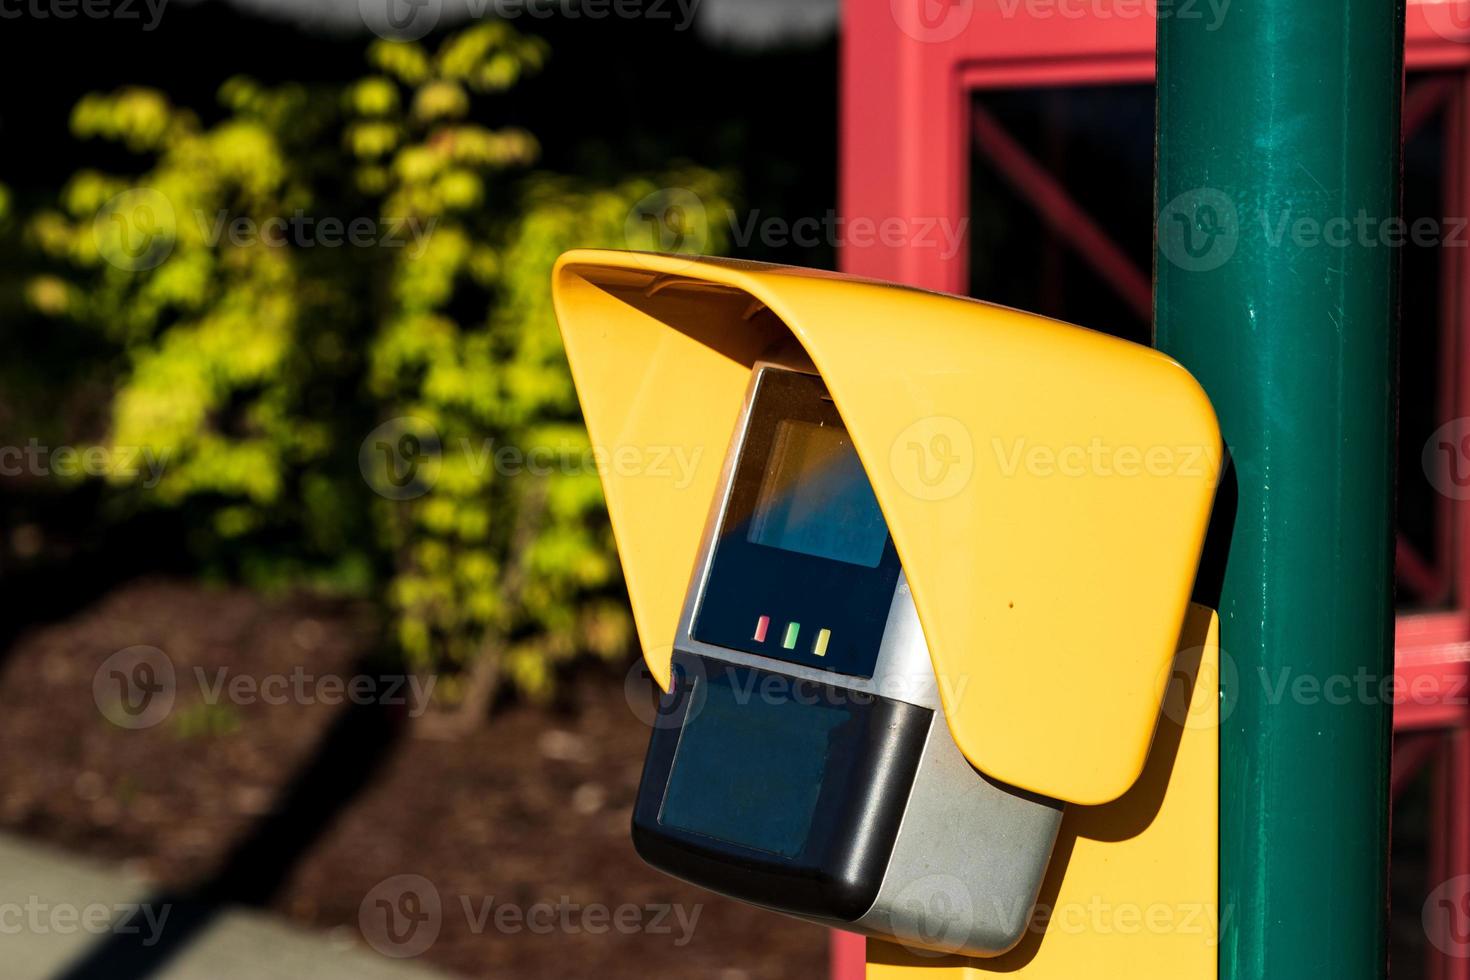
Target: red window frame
x=908 y=129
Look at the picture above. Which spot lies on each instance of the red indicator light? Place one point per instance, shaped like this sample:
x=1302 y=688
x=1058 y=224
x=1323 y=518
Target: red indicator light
x=761 y=625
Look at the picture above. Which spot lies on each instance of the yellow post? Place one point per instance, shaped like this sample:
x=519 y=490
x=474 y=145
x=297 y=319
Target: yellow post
x=1132 y=891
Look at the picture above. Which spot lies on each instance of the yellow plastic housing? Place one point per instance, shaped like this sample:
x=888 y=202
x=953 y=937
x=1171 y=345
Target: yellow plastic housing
x=1047 y=487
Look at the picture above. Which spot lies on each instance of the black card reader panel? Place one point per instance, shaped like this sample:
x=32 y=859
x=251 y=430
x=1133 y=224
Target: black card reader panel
x=776 y=790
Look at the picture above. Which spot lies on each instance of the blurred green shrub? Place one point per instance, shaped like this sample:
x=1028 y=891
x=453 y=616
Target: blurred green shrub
x=335 y=290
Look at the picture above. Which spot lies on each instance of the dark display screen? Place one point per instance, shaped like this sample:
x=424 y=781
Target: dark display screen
x=780 y=792
x=815 y=498
x=804 y=568
x=718 y=789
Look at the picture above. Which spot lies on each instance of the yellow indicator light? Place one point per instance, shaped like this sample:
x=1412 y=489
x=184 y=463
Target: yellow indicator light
x=820 y=647
x=792 y=631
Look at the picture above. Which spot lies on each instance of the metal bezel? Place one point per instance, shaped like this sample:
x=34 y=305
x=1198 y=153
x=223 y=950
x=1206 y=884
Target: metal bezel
x=903 y=671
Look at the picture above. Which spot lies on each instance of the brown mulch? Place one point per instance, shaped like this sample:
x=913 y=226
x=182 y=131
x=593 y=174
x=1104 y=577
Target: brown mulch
x=307 y=807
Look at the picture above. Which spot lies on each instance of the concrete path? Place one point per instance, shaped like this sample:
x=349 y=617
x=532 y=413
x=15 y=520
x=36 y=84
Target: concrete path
x=64 y=918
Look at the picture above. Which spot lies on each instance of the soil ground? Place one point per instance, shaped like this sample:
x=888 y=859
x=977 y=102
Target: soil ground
x=314 y=809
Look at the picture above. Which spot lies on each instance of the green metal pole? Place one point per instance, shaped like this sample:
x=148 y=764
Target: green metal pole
x=1278 y=193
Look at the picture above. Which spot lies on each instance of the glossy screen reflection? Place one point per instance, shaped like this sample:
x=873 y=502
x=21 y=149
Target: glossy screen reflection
x=815 y=498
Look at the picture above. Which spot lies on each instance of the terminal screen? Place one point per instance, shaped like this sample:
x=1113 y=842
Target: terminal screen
x=749 y=770
x=815 y=498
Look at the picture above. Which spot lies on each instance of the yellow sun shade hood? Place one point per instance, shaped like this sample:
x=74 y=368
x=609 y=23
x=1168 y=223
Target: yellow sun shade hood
x=1047 y=487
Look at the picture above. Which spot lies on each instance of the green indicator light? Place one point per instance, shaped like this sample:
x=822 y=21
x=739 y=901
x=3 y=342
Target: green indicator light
x=793 y=630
